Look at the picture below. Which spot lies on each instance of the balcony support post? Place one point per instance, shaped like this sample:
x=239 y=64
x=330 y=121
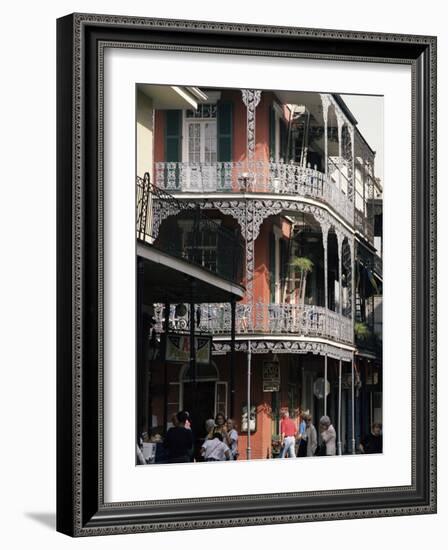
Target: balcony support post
x=351 y=193
x=165 y=367
x=340 y=124
x=340 y=242
x=364 y=202
x=325 y=106
x=193 y=363
x=249 y=369
x=251 y=98
x=353 y=286
x=141 y=355
x=250 y=260
x=353 y=406
x=339 y=408
x=325 y=227
x=325 y=383
x=232 y=356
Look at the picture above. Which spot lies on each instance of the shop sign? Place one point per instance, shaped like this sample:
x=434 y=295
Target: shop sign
x=271 y=376
x=178 y=348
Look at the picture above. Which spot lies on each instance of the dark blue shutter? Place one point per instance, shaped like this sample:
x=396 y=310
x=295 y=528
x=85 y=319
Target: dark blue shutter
x=173 y=136
x=272 y=133
x=224 y=129
x=173 y=139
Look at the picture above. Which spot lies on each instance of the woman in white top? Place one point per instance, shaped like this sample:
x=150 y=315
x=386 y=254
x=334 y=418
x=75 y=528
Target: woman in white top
x=214 y=450
x=232 y=438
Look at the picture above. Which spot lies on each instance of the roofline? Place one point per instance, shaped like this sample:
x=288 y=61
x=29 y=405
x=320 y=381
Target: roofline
x=345 y=108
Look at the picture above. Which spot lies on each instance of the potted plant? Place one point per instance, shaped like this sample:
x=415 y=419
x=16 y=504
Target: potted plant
x=301 y=266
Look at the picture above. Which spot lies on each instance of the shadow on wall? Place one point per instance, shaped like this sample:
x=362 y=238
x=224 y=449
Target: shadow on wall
x=47 y=519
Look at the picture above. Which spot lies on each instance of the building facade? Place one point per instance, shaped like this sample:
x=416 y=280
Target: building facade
x=291 y=176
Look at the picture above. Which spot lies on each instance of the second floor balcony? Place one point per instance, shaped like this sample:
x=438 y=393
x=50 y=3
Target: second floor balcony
x=256 y=177
x=267 y=319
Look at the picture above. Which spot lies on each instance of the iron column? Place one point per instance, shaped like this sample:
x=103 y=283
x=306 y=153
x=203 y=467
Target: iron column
x=249 y=358
x=339 y=408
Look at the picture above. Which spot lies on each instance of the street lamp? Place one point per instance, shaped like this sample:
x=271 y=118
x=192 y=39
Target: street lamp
x=249 y=358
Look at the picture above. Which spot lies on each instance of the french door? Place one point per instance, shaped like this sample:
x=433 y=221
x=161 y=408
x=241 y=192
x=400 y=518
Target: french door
x=201 y=155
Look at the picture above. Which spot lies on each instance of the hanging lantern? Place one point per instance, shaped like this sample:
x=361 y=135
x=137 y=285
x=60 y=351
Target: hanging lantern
x=181 y=310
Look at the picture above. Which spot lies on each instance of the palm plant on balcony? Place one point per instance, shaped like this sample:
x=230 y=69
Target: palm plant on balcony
x=301 y=267
x=365 y=337
x=362 y=331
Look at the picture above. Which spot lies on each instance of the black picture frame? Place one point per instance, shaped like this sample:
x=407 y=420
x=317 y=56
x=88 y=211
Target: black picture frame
x=81 y=510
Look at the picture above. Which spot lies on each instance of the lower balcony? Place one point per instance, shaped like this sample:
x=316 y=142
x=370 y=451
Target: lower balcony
x=261 y=318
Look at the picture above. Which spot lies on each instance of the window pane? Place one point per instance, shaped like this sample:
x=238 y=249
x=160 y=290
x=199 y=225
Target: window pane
x=194 y=142
x=210 y=142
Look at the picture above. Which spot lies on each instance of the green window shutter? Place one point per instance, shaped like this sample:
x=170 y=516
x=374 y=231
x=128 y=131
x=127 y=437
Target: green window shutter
x=272 y=266
x=224 y=129
x=173 y=136
x=272 y=133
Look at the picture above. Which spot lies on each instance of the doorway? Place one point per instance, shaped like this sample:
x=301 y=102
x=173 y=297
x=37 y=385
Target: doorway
x=200 y=153
x=203 y=395
x=199 y=401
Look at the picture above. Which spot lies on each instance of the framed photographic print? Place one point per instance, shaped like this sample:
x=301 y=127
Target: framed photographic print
x=246 y=222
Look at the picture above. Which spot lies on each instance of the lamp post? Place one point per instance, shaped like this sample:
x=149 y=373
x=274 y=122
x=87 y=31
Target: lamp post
x=232 y=357
x=325 y=383
x=353 y=405
x=249 y=358
x=339 y=408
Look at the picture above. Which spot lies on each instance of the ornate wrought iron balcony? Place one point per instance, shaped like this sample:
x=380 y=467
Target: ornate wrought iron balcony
x=266 y=319
x=224 y=252
x=253 y=176
x=378 y=265
x=363 y=225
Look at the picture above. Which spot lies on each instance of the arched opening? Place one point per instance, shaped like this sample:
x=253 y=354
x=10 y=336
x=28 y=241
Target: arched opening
x=206 y=238
x=347 y=162
x=346 y=279
x=203 y=394
x=294 y=266
x=333 y=280
x=332 y=144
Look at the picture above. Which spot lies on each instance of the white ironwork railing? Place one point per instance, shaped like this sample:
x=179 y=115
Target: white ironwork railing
x=255 y=176
x=273 y=319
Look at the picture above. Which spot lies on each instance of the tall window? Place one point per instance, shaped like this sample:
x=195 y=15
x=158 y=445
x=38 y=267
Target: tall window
x=201 y=134
x=200 y=148
x=200 y=243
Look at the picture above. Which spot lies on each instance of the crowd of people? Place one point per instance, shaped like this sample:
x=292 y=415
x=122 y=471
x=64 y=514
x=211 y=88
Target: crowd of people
x=301 y=438
x=298 y=438
x=220 y=442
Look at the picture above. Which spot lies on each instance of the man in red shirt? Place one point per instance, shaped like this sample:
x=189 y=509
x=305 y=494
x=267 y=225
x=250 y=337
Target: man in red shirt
x=288 y=431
